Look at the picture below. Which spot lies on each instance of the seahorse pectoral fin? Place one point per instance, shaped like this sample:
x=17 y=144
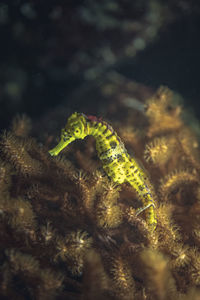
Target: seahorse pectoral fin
x=61 y=145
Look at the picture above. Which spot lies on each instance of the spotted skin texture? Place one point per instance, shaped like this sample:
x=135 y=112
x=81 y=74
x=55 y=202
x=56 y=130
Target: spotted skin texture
x=117 y=163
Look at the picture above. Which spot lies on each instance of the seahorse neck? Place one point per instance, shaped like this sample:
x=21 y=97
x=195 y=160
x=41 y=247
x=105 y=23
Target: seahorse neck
x=93 y=128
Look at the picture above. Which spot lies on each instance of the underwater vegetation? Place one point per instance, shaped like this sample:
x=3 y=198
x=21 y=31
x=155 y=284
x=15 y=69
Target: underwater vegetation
x=69 y=231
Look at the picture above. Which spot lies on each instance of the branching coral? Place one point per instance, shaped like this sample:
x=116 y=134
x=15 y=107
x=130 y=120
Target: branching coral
x=69 y=232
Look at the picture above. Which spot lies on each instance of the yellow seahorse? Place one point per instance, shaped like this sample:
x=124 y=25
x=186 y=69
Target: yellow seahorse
x=117 y=163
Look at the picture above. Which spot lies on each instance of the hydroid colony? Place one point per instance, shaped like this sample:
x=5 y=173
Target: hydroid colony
x=68 y=231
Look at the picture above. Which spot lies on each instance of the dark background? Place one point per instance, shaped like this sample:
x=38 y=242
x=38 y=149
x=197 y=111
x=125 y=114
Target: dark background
x=34 y=75
x=173 y=60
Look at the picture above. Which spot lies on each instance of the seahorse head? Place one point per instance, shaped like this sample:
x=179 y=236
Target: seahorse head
x=76 y=128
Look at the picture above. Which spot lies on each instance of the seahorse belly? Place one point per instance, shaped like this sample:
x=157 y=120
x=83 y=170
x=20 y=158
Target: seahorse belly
x=114 y=157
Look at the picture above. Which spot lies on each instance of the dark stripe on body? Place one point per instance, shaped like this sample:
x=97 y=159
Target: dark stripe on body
x=109 y=136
